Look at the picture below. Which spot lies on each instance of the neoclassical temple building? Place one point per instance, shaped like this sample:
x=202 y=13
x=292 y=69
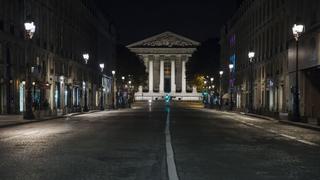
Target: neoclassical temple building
x=165 y=56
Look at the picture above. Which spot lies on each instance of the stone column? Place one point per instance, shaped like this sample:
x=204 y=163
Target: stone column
x=173 y=76
x=161 y=87
x=150 y=76
x=183 y=74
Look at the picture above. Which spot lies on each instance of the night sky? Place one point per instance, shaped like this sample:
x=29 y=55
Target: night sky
x=139 y=19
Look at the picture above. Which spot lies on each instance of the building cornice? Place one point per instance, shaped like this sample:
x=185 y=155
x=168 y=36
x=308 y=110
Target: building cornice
x=163 y=50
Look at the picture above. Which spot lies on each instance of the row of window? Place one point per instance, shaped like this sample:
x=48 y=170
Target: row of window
x=59 y=26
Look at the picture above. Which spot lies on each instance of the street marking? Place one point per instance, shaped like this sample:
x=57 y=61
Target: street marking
x=171 y=165
x=299 y=140
x=289 y=137
x=308 y=142
x=283 y=135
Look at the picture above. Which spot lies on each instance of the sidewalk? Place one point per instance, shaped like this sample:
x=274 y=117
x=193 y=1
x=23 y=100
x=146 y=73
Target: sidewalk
x=288 y=130
x=298 y=124
x=13 y=120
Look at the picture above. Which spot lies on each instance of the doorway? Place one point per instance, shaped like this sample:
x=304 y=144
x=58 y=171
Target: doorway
x=167 y=85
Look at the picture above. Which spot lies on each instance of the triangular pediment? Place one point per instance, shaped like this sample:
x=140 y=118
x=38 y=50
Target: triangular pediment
x=165 y=40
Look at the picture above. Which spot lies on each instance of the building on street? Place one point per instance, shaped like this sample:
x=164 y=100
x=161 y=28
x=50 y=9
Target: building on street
x=265 y=28
x=165 y=56
x=62 y=80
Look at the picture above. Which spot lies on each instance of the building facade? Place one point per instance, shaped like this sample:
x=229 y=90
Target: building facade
x=165 y=56
x=265 y=27
x=62 y=81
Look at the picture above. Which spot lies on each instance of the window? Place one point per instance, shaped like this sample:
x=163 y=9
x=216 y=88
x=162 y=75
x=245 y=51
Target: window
x=167 y=68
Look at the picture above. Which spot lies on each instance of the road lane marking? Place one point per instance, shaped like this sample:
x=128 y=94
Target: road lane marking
x=288 y=136
x=307 y=142
x=171 y=165
x=280 y=134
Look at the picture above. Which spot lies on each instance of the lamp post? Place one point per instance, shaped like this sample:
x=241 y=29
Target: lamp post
x=30 y=29
x=220 y=89
x=114 y=89
x=231 y=66
x=251 y=55
x=123 y=78
x=34 y=93
x=85 y=107
x=297 y=31
x=205 y=84
x=101 y=65
x=84 y=87
x=86 y=57
x=211 y=80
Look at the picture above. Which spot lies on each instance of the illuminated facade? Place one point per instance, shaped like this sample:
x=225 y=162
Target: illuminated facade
x=65 y=30
x=265 y=27
x=165 y=56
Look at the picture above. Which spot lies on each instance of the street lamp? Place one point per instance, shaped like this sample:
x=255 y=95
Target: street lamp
x=251 y=55
x=205 y=84
x=34 y=93
x=231 y=66
x=85 y=107
x=220 y=88
x=30 y=29
x=122 y=86
x=297 y=31
x=101 y=65
x=114 y=89
x=86 y=57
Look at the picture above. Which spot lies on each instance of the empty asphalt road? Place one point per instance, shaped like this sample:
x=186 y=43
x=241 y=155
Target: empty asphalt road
x=159 y=141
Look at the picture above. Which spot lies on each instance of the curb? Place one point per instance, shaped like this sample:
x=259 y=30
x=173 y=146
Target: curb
x=260 y=116
x=46 y=119
x=302 y=125
x=297 y=124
